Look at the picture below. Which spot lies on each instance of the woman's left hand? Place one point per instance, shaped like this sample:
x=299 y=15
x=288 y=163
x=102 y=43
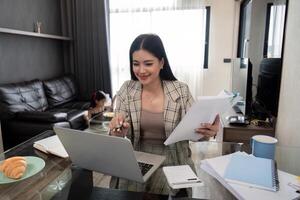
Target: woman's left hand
x=209 y=130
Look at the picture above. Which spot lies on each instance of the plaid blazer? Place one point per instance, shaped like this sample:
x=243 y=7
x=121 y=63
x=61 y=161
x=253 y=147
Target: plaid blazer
x=177 y=100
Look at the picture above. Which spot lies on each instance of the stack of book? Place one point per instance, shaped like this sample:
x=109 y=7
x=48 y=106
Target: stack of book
x=249 y=177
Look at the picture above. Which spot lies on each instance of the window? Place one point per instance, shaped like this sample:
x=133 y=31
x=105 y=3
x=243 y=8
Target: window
x=182 y=28
x=244 y=31
x=275 y=21
x=205 y=65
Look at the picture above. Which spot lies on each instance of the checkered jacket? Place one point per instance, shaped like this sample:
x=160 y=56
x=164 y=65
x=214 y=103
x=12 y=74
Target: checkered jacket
x=177 y=100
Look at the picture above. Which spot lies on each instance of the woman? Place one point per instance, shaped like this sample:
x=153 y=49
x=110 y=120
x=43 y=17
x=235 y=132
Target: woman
x=151 y=104
x=97 y=102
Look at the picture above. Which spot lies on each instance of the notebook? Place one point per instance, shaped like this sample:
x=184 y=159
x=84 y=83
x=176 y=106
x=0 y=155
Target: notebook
x=181 y=176
x=51 y=145
x=252 y=171
x=216 y=167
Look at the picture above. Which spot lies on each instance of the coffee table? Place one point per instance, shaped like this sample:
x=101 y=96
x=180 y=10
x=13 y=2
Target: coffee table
x=99 y=124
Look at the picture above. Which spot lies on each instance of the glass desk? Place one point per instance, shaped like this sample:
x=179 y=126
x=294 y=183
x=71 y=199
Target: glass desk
x=99 y=124
x=61 y=180
x=212 y=188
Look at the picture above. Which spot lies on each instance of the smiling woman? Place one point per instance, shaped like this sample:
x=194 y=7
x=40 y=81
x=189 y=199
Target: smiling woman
x=150 y=66
x=146 y=67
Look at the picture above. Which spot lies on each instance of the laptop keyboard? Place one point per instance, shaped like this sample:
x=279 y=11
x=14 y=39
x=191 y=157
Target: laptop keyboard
x=145 y=167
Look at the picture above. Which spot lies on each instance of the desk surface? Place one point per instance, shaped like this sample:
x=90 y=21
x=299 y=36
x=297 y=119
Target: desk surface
x=61 y=180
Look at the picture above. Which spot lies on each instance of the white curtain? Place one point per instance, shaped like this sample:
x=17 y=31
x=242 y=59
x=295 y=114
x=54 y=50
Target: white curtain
x=276 y=27
x=180 y=26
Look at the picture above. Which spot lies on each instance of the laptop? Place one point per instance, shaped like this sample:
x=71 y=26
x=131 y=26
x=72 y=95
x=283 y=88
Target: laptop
x=108 y=154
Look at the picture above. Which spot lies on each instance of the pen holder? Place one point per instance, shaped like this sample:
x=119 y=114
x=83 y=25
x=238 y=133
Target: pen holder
x=38 y=26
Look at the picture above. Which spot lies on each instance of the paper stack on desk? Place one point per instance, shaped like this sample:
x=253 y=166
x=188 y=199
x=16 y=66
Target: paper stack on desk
x=216 y=167
x=51 y=145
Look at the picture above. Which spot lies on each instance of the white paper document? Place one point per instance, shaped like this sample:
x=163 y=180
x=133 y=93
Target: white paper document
x=181 y=176
x=51 y=145
x=204 y=110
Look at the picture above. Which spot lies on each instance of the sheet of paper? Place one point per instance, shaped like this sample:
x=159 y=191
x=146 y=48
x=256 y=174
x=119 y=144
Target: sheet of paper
x=204 y=110
x=51 y=145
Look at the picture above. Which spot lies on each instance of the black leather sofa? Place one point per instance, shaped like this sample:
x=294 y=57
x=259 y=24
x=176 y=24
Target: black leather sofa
x=29 y=108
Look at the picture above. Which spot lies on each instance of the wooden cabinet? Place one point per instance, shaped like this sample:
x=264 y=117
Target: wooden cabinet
x=243 y=134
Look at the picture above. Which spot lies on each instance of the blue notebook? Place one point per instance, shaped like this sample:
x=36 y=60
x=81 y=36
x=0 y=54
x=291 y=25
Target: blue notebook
x=252 y=171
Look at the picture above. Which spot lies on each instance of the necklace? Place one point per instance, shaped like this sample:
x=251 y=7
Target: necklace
x=150 y=98
x=153 y=102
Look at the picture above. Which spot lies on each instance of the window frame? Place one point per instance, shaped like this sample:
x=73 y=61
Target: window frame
x=206 y=46
x=267 y=25
x=242 y=23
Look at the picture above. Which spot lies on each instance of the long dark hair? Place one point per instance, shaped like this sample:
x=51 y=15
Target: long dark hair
x=98 y=95
x=153 y=44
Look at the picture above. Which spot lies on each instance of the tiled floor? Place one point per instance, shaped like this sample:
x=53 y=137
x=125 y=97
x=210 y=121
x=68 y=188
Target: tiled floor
x=101 y=180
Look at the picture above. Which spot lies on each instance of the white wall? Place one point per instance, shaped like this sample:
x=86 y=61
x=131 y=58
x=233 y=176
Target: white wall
x=222 y=45
x=288 y=123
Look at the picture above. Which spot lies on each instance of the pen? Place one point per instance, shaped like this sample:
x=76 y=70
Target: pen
x=189 y=180
x=118 y=127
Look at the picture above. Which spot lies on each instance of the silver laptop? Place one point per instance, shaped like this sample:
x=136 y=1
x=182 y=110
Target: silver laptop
x=108 y=154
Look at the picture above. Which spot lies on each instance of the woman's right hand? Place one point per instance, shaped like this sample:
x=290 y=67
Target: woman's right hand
x=118 y=126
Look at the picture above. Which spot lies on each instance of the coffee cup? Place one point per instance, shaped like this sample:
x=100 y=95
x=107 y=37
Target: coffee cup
x=263 y=146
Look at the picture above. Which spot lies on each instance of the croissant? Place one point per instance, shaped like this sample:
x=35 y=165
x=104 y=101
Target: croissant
x=14 y=167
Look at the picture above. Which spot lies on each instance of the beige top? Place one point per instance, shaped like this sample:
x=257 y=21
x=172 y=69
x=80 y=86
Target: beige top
x=152 y=127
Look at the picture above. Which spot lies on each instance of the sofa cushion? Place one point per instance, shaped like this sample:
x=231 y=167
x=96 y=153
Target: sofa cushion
x=16 y=131
x=74 y=116
x=42 y=116
x=76 y=119
x=60 y=90
x=24 y=96
x=81 y=105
